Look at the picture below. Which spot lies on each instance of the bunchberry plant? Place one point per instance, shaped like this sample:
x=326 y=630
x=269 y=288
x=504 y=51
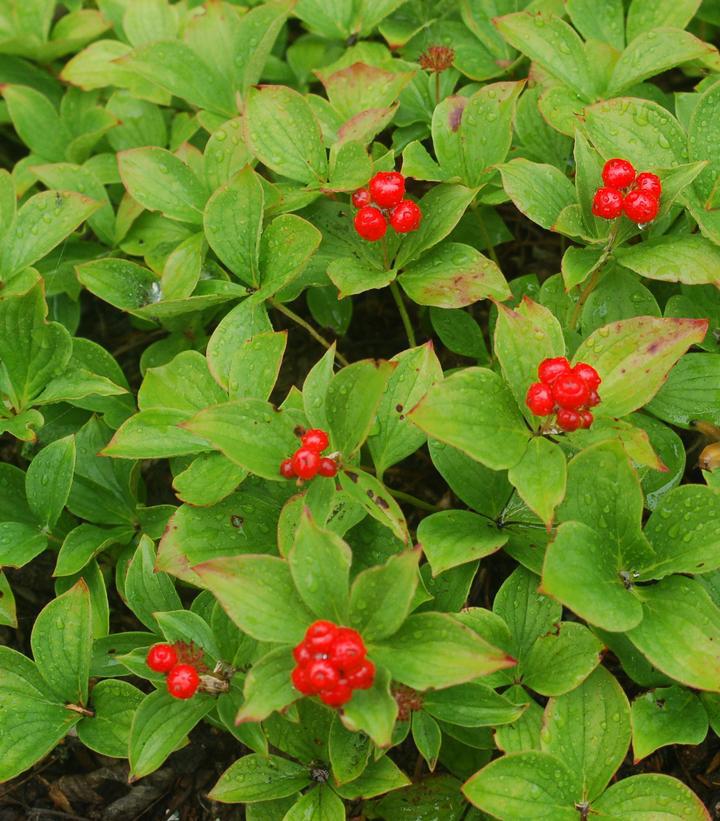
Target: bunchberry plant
x=360 y=409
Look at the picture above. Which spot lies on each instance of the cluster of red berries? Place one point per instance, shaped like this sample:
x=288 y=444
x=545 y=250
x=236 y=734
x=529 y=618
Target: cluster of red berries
x=566 y=391
x=180 y=664
x=308 y=461
x=331 y=663
x=386 y=190
x=641 y=204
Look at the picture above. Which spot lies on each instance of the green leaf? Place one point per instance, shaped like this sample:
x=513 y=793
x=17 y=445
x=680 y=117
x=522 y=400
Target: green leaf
x=453 y=537
x=61 y=642
x=525 y=785
x=233 y=224
x=37 y=122
x=256 y=365
x=48 y=480
x=251 y=433
x=33 y=720
x=352 y=276
x=154 y=433
x=554 y=45
x=286 y=247
x=540 y=191
x=8 y=612
x=320 y=565
x=692 y=391
x=321 y=803
x=523 y=734
x=368 y=492
x=669 y=715
x=159 y=726
x=582 y=570
x=161 y=181
x=518 y=360
x=382 y=595
x=258 y=594
x=373 y=712
x=471 y=705
x=379 y=777
x=395 y=438
x=360 y=87
x=146 y=591
x=122 y=283
x=634 y=356
x=242 y=323
x=259 y=778
x=638 y=798
x=679 y=631
x=427 y=737
x=540 y=477
x=442 y=208
x=113 y=703
x=690 y=259
x=268 y=686
x=453 y=276
x=352 y=399
x=183 y=384
x=348 y=751
x=645 y=15
x=561 y=660
x=474 y=411
x=435 y=650
x=604 y=23
x=589 y=729
x=282 y=132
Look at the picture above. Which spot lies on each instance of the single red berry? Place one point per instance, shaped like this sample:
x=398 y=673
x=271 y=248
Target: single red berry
x=361 y=197
x=618 y=173
x=550 y=369
x=286 y=469
x=301 y=681
x=338 y=695
x=320 y=635
x=387 y=188
x=370 y=223
x=649 y=183
x=182 y=681
x=322 y=674
x=588 y=374
x=607 y=203
x=362 y=677
x=539 y=399
x=302 y=653
x=405 y=217
x=641 y=207
x=305 y=463
x=347 y=651
x=593 y=399
x=568 y=420
x=586 y=419
x=315 y=439
x=570 y=391
x=328 y=467
x=161 y=658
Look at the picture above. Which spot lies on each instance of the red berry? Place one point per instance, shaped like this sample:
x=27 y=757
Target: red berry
x=593 y=399
x=568 y=420
x=322 y=674
x=361 y=197
x=607 y=203
x=370 y=223
x=286 y=469
x=302 y=653
x=337 y=696
x=305 y=463
x=539 y=399
x=161 y=658
x=405 y=217
x=301 y=681
x=586 y=419
x=649 y=183
x=182 y=681
x=570 y=391
x=320 y=635
x=588 y=374
x=550 y=369
x=328 y=467
x=387 y=188
x=618 y=173
x=641 y=207
x=362 y=678
x=347 y=651
x=315 y=439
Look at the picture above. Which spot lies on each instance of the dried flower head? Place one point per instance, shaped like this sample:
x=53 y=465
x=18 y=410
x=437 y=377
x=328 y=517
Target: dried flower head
x=437 y=58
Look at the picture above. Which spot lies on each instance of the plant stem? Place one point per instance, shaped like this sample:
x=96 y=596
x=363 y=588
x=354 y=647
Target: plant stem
x=397 y=296
x=437 y=88
x=298 y=320
x=595 y=277
x=413 y=500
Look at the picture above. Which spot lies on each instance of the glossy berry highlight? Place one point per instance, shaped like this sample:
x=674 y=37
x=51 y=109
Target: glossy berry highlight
x=540 y=399
x=183 y=681
x=361 y=198
x=387 y=188
x=618 y=173
x=649 y=184
x=607 y=203
x=370 y=223
x=565 y=392
x=161 y=658
x=641 y=207
x=405 y=217
x=315 y=439
x=308 y=461
x=305 y=463
x=550 y=369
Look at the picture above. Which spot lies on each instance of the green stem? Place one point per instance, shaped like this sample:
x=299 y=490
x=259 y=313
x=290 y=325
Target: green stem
x=397 y=296
x=298 y=320
x=413 y=500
